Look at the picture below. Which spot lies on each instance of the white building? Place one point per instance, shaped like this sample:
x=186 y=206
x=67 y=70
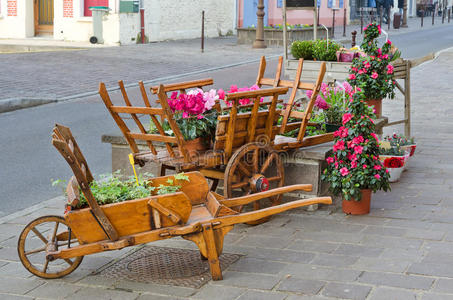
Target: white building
x=71 y=19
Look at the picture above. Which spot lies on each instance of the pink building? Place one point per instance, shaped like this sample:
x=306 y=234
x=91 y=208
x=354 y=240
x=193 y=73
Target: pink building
x=273 y=10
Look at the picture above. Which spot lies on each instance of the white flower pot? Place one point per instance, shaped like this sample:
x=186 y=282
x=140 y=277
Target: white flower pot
x=395 y=174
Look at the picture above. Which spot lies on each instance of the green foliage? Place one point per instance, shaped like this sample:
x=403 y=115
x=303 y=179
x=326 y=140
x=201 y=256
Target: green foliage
x=111 y=189
x=393 y=151
x=334 y=114
x=326 y=50
x=302 y=49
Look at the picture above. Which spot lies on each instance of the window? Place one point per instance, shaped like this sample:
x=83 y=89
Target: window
x=89 y=3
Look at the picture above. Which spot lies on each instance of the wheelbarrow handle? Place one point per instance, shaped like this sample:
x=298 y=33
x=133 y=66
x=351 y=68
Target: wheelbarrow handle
x=265 y=212
x=254 y=197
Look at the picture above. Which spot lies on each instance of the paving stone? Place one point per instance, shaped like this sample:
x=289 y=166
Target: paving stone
x=346 y=291
x=18 y=285
x=431 y=269
x=306 y=297
x=97 y=280
x=282 y=255
x=333 y=237
x=14 y=269
x=155 y=288
x=387 y=231
x=379 y=264
x=212 y=291
x=254 y=265
x=9 y=254
x=313 y=246
x=382 y=293
x=157 y=297
x=436 y=296
x=414 y=255
x=425 y=234
x=54 y=290
x=334 y=260
x=13 y=297
x=304 y=286
x=439 y=247
x=390 y=242
x=440 y=258
x=320 y=273
x=258 y=295
x=249 y=280
x=421 y=224
x=267 y=241
x=357 y=250
x=102 y=294
x=397 y=280
x=444 y=285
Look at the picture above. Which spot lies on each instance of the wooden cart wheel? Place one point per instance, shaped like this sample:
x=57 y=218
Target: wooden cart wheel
x=47 y=233
x=254 y=168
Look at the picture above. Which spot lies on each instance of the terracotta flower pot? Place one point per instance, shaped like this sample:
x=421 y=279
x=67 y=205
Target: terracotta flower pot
x=197 y=145
x=362 y=207
x=377 y=103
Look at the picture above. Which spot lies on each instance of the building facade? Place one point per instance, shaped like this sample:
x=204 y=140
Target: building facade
x=71 y=19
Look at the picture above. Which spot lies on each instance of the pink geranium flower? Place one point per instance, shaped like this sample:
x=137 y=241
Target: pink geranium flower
x=377 y=176
x=374 y=75
x=329 y=160
x=346 y=118
x=358 y=149
x=377 y=167
x=344 y=171
x=389 y=69
x=352 y=76
x=338 y=146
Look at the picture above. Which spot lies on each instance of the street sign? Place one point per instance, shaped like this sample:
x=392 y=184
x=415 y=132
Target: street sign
x=300 y=4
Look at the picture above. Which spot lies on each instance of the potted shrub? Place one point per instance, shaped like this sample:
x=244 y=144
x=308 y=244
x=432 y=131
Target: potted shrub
x=354 y=170
x=394 y=158
x=373 y=73
x=302 y=49
x=407 y=144
x=325 y=50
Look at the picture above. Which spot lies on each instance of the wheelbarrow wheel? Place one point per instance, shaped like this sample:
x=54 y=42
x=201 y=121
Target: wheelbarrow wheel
x=251 y=169
x=47 y=233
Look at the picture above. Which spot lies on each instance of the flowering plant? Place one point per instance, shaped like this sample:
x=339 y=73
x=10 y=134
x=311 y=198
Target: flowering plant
x=242 y=102
x=373 y=73
x=354 y=164
x=399 y=139
x=394 y=162
x=333 y=101
x=194 y=113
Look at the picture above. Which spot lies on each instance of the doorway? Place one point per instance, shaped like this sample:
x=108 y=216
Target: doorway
x=43 y=17
x=250 y=8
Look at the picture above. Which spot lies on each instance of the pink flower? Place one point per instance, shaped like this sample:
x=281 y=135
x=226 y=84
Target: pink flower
x=377 y=176
x=309 y=93
x=329 y=160
x=347 y=87
x=338 y=146
x=344 y=171
x=375 y=137
x=346 y=118
x=233 y=89
x=389 y=42
x=389 y=69
x=221 y=94
x=379 y=28
x=336 y=165
x=353 y=164
x=364 y=166
x=377 y=167
x=358 y=149
x=358 y=140
x=352 y=76
x=321 y=103
x=385 y=56
x=367 y=65
x=374 y=75
x=361 y=71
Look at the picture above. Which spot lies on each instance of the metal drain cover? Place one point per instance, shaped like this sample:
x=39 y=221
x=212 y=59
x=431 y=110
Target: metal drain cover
x=169 y=266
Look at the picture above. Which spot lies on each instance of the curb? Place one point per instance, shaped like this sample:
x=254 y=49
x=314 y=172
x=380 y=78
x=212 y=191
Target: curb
x=16 y=104
x=29 y=210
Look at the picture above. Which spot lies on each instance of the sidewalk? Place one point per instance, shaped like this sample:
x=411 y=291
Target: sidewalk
x=402 y=250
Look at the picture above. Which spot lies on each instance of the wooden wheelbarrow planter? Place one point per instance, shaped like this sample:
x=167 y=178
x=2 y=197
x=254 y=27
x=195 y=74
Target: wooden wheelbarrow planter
x=194 y=213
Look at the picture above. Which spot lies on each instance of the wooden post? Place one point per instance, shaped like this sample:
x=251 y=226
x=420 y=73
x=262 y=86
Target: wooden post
x=315 y=23
x=407 y=100
x=423 y=14
x=259 y=40
x=434 y=13
x=361 y=20
x=354 y=36
x=213 y=256
x=333 y=23
x=404 y=24
x=202 y=31
x=443 y=16
x=344 y=22
x=285 y=33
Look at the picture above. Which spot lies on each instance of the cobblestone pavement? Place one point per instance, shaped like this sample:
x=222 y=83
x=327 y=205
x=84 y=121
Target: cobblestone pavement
x=402 y=250
x=62 y=74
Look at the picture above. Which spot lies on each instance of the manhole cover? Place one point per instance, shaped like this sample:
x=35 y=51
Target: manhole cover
x=170 y=266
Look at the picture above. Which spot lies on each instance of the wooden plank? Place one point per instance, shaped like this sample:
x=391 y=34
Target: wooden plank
x=257 y=93
x=153 y=137
x=261 y=70
x=138 y=110
x=213 y=256
x=231 y=130
x=184 y=85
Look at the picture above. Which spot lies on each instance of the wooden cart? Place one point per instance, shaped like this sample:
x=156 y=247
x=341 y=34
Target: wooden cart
x=54 y=246
x=246 y=151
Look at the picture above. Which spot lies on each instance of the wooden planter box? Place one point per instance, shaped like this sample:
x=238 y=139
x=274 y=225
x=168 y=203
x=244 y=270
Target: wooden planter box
x=334 y=70
x=274 y=37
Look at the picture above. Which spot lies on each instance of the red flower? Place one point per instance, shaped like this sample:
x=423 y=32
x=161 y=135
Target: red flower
x=352 y=76
x=338 y=146
x=346 y=118
x=394 y=162
x=329 y=160
x=377 y=176
x=344 y=171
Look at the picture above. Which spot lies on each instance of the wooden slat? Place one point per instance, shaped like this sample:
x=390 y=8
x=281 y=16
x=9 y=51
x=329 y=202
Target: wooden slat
x=231 y=130
x=264 y=103
x=288 y=84
x=257 y=93
x=137 y=110
x=153 y=137
x=184 y=85
x=297 y=114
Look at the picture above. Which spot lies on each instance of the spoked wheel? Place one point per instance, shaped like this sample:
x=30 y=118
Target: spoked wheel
x=48 y=233
x=251 y=169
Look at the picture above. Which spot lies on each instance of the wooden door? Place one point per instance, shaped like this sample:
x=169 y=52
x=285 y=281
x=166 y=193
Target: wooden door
x=43 y=17
x=250 y=8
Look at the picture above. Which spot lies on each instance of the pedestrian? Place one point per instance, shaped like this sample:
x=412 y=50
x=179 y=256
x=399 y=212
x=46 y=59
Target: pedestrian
x=401 y=6
x=372 y=6
x=379 y=5
x=387 y=5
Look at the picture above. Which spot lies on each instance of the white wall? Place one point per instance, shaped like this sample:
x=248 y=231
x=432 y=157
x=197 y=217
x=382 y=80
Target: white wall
x=181 y=19
x=20 y=26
